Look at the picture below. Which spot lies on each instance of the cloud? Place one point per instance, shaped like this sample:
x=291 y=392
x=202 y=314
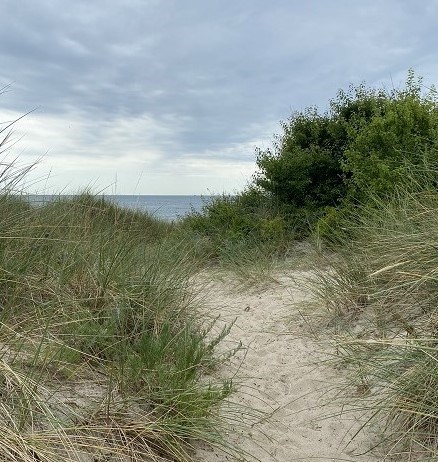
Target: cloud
x=129 y=154
x=156 y=83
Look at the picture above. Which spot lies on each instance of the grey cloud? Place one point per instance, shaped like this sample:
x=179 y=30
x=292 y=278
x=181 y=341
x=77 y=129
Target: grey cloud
x=218 y=69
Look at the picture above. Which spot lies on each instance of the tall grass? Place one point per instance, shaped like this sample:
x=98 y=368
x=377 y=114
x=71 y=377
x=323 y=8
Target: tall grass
x=103 y=352
x=380 y=287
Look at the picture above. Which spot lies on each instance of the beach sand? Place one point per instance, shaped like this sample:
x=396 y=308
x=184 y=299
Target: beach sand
x=281 y=372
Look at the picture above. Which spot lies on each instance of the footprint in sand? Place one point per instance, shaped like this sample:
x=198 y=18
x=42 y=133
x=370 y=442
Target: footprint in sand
x=280 y=376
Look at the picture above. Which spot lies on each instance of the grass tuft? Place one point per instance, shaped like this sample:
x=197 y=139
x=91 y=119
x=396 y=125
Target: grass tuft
x=380 y=289
x=103 y=351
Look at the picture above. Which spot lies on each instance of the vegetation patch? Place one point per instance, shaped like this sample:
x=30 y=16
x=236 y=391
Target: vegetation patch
x=380 y=288
x=103 y=351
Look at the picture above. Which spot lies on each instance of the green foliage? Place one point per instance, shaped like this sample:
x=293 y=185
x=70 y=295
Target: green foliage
x=248 y=220
x=364 y=145
x=323 y=167
x=403 y=127
x=304 y=168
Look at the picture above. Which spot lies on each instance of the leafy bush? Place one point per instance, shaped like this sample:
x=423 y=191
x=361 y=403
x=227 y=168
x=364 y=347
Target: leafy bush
x=365 y=144
x=303 y=170
x=250 y=219
x=402 y=132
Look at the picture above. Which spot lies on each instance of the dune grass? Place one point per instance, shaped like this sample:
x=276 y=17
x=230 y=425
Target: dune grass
x=103 y=352
x=380 y=289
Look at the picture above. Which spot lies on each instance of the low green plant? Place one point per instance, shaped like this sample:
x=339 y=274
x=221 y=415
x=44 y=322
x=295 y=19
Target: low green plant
x=244 y=234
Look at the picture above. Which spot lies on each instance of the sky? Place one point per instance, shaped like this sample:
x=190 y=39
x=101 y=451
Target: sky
x=173 y=96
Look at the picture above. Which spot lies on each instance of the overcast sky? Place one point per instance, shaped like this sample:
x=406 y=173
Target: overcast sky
x=172 y=96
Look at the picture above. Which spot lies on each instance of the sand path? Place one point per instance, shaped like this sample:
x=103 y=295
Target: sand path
x=279 y=376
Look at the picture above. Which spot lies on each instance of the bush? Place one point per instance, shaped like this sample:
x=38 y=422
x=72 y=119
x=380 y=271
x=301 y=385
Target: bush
x=364 y=145
x=249 y=219
x=304 y=168
x=401 y=132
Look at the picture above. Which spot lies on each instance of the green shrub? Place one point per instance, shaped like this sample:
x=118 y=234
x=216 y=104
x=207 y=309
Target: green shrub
x=404 y=127
x=303 y=170
x=247 y=220
x=363 y=146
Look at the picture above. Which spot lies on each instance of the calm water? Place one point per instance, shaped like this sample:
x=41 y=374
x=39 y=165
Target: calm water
x=165 y=207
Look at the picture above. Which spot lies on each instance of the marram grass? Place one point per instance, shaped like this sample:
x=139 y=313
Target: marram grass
x=380 y=286
x=103 y=352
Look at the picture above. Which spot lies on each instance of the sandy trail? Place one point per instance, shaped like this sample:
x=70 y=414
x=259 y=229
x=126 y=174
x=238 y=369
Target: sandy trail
x=280 y=377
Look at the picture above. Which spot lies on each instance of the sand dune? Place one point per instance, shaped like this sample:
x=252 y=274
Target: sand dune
x=281 y=374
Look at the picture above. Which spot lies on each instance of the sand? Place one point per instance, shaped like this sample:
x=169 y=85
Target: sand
x=280 y=373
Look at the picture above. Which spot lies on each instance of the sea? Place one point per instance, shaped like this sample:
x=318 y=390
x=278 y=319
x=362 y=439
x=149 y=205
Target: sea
x=169 y=208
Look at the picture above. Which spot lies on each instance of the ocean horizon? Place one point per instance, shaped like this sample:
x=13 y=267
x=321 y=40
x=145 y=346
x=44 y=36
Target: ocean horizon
x=165 y=207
